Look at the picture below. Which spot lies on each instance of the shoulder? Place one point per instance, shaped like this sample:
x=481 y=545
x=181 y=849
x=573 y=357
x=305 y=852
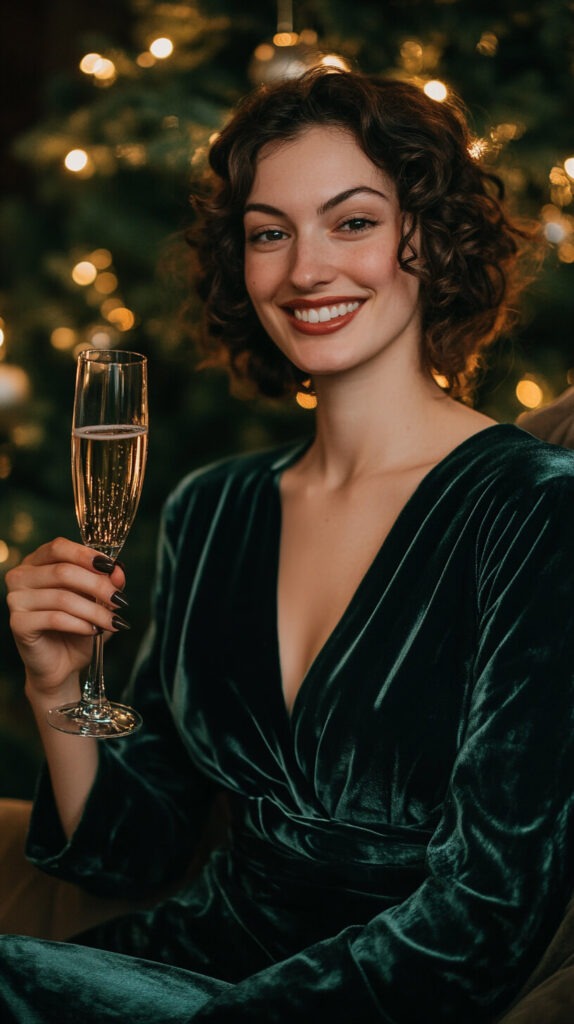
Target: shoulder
x=206 y=487
x=510 y=461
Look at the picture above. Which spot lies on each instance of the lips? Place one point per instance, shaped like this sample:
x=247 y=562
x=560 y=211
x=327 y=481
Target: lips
x=323 y=319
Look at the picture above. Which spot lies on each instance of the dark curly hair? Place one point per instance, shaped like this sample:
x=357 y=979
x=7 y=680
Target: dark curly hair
x=469 y=265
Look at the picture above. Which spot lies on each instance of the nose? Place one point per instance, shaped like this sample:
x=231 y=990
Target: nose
x=311 y=263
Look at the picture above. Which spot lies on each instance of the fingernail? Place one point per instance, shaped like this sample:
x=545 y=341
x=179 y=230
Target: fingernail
x=119 y=599
x=103 y=564
x=121 y=565
x=119 y=623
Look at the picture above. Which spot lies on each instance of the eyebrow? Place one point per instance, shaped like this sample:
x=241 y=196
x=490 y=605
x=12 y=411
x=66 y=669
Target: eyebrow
x=341 y=197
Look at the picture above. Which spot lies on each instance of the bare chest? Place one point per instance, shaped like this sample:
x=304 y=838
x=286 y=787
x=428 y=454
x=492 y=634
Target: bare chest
x=328 y=543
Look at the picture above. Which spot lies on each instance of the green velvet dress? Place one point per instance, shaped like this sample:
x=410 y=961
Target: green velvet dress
x=401 y=846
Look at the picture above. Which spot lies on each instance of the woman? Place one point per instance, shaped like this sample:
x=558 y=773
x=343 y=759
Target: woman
x=366 y=640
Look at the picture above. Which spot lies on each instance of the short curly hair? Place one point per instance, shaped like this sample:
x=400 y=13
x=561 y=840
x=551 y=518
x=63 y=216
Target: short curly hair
x=469 y=266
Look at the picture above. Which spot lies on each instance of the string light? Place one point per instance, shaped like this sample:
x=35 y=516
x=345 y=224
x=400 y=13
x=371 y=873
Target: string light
x=569 y=166
x=529 y=393
x=84 y=273
x=14 y=385
x=122 y=318
x=100 y=338
x=436 y=90
x=145 y=60
x=105 y=283
x=76 y=160
x=487 y=44
x=161 y=48
x=101 y=258
x=2 y=336
x=412 y=53
x=63 y=338
x=104 y=70
x=89 y=62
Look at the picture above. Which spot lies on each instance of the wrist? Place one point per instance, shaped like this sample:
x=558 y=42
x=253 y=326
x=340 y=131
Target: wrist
x=42 y=699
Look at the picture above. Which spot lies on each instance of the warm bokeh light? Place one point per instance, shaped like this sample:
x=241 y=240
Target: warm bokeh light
x=285 y=39
x=63 y=338
x=106 y=283
x=22 y=527
x=4 y=551
x=478 y=148
x=332 y=60
x=487 y=44
x=101 y=258
x=145 y=59
x=84 y=272
x=569 y=166
x=161 y=48
x=264 y=52
x=2 y=333
x=88 y=62
x=104 y=70
x=76 y=160
x=441 y=380
x=566 y=252
x=14 y=385
x=306 y=399
x=436 y=90
x=100 y=338
x=554 y=232
x=529 y=393
x=122 y=318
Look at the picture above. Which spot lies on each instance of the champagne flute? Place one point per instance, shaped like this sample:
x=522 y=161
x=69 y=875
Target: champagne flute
x=109 y=449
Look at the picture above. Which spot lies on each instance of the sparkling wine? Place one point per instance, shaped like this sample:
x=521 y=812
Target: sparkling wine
x=108 y=464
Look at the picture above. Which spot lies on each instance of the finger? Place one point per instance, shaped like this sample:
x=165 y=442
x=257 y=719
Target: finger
x=64 y=576
x=62 y=550
x=28 y=625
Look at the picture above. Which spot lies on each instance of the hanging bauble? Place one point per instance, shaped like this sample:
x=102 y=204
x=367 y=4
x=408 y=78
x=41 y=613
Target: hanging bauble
x=288 y=55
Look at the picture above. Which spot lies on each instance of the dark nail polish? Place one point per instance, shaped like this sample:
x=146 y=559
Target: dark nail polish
x=121 y=565
x=103 y=564
x=119 y=599
x=119 y=623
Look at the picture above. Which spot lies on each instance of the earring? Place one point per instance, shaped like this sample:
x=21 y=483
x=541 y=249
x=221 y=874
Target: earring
x=305 y=396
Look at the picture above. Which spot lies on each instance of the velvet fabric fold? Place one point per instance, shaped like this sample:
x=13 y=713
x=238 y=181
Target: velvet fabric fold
x=404 y=838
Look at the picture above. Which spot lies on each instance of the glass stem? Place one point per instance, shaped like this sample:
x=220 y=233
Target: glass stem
x=93 y=691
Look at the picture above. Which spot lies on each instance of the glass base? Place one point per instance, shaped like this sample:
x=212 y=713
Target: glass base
x=102 y=721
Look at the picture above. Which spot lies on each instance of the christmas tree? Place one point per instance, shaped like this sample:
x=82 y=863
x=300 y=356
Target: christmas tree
x=92 y=253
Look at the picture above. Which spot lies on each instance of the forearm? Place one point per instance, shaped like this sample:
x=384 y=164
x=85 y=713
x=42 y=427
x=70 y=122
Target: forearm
x=72 y=760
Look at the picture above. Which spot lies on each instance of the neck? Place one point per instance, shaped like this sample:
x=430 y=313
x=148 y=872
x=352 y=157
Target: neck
x=371 y=422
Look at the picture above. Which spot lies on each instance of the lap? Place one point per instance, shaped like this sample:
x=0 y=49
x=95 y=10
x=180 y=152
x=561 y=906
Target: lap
x=59 y=983
x=35 y=904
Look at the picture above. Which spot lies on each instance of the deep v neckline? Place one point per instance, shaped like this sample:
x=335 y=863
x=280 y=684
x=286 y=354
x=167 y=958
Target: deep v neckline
x=388 y=544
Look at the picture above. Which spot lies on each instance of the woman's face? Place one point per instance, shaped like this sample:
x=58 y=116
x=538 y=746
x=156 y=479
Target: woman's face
x=322 y=230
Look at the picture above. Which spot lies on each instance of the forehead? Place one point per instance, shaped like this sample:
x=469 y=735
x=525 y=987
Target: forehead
x=318 y=159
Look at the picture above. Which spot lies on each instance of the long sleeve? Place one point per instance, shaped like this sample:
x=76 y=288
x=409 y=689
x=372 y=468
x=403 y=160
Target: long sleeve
x=501 y=861
x=144 y=816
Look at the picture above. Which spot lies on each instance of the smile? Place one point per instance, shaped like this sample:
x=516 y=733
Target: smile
x=324 y=314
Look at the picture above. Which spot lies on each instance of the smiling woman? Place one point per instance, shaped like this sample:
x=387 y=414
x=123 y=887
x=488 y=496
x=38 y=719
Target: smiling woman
x=362 y=643
x=470 y=259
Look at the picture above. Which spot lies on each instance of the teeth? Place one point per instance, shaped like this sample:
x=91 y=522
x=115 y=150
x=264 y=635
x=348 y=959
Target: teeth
x=325 y=313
